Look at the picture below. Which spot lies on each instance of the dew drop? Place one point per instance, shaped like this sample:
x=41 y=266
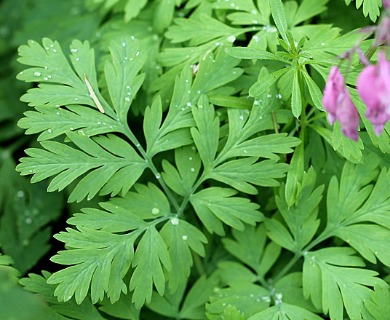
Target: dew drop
x=123 y=44
x=158 y=176
x=184 y=237
x=137 y=53
x=155 y=211
x=192 y=170
x=231 y=39
x=189 y=104
x=190 y=158
x=37 y=74
x=49 y=130
x=76 y=99
x=241 y=117
x=28 y=220
x=20 y=194
x=74 y=50
x=175 y=221
x=55 y=50
x=279 y=96
x=127 y=99
x=46 y=78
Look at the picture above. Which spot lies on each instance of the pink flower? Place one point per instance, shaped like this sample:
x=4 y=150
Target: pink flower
x=338 y=104
x=386 y=4
x=373 y=86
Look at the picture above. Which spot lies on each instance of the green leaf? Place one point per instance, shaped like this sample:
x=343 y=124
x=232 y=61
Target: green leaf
x=294 y=176
x=198 y=30
x=378 y=304
x=59 y=310
x=163 y=15
x=97 y=263
x=279 y=16
x=314 y=91
x=309 y=9
x=301 y=218
x=101 y=251
x=265 y=82
x=290 y=289
x=260 y=258
x=150 y=261
x=121 y=74
x=173 y=132
x=60 y=84
x=349 y=149
x=108 y=161
x=206 y=132
x=285 y=311
x=264 y=146
x=215 y=205
x=250 y=53
x=196 y=298
x=53 y=122
x=361 y=218
x=331 y=279
x=215 y=71
x=348 y=196
x=296 y=99
x=370 y=7
x=122 y=309
x=133 y=8
x=241 y=174
x=180 y=239
x=369 y=240
x=5 y=268
x=247 y=298
x=182 y=179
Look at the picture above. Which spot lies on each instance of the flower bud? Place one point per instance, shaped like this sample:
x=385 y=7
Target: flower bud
x=373 y=86
x=338 y=104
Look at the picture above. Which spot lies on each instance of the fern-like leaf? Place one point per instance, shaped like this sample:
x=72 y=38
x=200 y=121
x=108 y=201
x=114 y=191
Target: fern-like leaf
x=111 y=164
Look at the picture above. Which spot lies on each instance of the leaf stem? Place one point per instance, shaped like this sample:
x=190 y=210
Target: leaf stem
x=287 y=267
x=152 y=167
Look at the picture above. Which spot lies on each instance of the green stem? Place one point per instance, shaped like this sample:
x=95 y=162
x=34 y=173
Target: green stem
x=152 y=167
x=287 y=267
x=193 y=189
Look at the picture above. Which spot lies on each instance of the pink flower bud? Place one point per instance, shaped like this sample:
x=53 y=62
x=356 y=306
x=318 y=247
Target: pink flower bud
x=338 y=104
x=373 y=86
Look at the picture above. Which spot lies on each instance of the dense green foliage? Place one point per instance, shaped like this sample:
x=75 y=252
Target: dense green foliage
x=182 y=166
